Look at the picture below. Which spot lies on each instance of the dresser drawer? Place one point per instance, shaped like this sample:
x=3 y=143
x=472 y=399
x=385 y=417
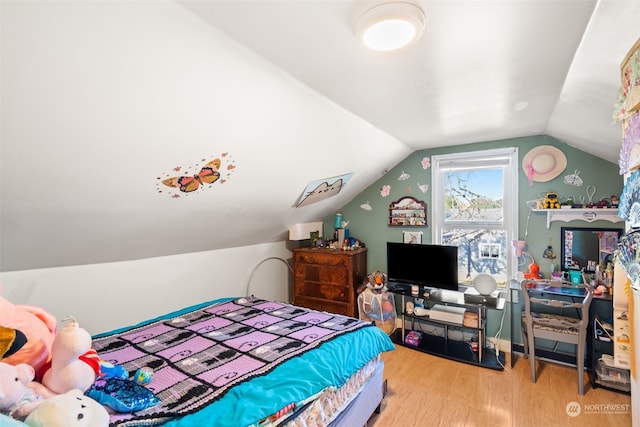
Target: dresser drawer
x=324 y=290
x=324 y=259
x=314 y=273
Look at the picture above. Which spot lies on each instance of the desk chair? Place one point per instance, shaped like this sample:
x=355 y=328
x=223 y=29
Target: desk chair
x=560 y=318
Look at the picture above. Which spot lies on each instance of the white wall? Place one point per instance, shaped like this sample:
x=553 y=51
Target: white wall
x=112 y=295
x=107 y=98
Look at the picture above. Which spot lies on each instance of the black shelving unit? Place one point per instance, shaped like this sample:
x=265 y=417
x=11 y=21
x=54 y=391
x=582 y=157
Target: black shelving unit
x=444 y=346
x=599 y=346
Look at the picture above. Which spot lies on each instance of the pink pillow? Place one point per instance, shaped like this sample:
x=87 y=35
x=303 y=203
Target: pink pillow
x=38 y=326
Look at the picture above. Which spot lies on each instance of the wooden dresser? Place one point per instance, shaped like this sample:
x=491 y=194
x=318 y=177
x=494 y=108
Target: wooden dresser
x=327 y=279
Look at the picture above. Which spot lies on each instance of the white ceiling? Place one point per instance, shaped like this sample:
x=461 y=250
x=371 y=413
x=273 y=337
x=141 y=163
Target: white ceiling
x=483 y=70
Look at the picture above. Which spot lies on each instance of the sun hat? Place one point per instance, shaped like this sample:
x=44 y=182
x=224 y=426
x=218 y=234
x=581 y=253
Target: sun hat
x=543 y=163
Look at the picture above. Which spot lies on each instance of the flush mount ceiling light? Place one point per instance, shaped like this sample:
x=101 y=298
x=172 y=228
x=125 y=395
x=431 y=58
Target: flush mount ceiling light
x=390 y=26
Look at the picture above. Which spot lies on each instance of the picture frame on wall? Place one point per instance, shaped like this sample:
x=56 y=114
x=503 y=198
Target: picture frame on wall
x=412 y=237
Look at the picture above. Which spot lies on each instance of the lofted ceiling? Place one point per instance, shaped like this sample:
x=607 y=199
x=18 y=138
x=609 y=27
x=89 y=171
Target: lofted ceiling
x=102 y=99
x=483 y=70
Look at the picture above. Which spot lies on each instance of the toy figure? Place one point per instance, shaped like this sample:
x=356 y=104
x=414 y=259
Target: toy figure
x=17 y=398
x=74 y=363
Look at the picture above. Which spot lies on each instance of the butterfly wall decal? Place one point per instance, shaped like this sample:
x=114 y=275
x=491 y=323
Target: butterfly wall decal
x=207 y=175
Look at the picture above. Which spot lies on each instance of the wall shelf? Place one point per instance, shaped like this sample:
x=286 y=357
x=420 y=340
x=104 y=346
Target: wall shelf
x=408 y=212
x=584 y=214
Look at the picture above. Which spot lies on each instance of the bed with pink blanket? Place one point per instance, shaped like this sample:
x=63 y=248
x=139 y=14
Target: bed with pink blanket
x=251 y=362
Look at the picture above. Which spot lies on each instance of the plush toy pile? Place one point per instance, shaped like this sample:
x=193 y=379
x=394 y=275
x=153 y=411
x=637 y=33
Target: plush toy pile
x=54 y=378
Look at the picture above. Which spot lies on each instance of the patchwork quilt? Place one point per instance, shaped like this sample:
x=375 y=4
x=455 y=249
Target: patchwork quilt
x=198 y=355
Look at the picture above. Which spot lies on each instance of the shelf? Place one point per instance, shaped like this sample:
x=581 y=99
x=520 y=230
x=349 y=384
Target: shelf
x=614 y=386
x=479 y=327
x=408 y=212
x=583 y=214
x=444 y=346
x=459 y=351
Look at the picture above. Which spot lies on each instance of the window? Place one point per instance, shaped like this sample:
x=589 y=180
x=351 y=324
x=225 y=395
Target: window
x=475 y=207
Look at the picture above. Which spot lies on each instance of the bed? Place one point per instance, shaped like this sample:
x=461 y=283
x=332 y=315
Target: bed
x=251 y=362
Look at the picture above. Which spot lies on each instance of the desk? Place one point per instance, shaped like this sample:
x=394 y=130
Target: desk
x=598 y=303
x=444 y=346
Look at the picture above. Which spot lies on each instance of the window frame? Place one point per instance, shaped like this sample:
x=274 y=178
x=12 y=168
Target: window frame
x=504 y=158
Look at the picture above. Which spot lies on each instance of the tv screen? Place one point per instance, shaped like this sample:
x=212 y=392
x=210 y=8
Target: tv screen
x=584 y=248
x=433 y=266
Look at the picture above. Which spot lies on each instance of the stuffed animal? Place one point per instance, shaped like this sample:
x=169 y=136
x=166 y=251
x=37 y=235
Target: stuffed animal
x=534 y=272
x=11 y=340
x=376 y=281
x=70 y=409
x=39 y=328
x=17 y=399
x=74 y=363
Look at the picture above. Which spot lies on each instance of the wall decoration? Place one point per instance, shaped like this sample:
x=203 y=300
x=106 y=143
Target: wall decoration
x=426 y=163
x=423 y=187
x=628 y=100
x=630 y=151
x=573 y=179
x=200 y=176
x=628 y=255
x=404 y=176
x=412 y=237
x=366 y=206
x=591 y=191
x=543 y=163
x=385 y=190
x=408 y=212
x=631 y=78
x=629 y=203
x=322 y=189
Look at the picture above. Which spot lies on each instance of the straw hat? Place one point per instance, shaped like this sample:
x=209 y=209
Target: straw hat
x=543 y=163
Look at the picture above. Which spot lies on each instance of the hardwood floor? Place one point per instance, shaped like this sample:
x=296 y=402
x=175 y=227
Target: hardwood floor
x=425 y=390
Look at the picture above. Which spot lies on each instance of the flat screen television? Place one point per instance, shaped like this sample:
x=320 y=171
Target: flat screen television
x=433 y=266
x=584 y=248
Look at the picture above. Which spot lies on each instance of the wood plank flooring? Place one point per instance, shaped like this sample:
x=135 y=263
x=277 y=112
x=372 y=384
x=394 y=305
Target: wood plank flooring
x=425 y=390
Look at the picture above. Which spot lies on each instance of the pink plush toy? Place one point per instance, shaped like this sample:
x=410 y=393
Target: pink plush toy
x=38 y=326
x=17 y=399
x=74 y=363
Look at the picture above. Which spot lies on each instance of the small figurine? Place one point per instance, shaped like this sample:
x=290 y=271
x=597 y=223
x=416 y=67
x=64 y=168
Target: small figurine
x=551 y=201
x=614 y=201
x=534 y=272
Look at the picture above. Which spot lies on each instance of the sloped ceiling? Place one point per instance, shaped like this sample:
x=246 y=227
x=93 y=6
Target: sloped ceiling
x=103 y=100
x=483 y=70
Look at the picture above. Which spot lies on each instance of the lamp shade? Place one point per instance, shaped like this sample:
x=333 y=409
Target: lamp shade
x=484 y=284
x=303 y=231
x=390 y=26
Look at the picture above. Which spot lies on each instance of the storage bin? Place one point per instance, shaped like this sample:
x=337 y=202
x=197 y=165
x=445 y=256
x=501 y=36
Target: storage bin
x=379 y=308
x=611 y=374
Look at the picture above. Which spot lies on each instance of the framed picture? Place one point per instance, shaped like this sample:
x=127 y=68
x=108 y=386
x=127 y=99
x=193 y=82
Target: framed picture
x=413 y=237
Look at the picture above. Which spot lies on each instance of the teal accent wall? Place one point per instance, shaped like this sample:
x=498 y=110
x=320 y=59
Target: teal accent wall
x=371 y=227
